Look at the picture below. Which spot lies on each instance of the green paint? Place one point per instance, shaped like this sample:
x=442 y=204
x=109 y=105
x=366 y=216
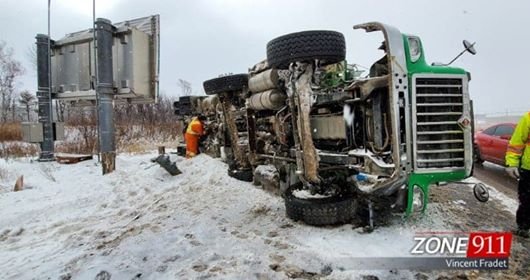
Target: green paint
x=421 y=66
x=425 y=180
x=339 y=75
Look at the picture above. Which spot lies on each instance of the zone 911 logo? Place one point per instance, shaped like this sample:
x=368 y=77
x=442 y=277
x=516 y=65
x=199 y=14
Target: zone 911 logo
x=470 y=245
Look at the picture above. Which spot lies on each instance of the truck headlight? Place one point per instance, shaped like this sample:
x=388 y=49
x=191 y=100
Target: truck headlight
x=418 y=199
x=414 y=48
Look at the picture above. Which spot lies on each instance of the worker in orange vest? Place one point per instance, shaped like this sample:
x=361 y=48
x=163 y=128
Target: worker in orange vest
x=193 y=134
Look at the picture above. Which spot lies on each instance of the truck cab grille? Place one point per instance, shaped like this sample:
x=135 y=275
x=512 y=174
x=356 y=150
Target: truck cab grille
x=438 y=104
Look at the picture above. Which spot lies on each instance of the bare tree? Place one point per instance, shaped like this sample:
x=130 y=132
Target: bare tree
x=27 y=100
x=31 y=55
x=185 y=87
x=10 y=70
x=13 y=107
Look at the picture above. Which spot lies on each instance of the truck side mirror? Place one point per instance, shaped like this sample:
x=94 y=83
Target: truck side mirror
x=470 y=47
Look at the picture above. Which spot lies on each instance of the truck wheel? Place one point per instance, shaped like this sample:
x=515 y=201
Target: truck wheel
x=225 y=84
x=320 y=211
x=326 y=46
x=241 y=175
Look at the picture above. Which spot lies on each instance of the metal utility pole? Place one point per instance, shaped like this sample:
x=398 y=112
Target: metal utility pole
x=44 y=97
x=95 y=76
x=105 y=91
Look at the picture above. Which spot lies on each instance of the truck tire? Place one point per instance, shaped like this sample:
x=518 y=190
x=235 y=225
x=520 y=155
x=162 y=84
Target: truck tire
x=241 y=175
x=326 y=46
x=225 y=84
x=320 y=212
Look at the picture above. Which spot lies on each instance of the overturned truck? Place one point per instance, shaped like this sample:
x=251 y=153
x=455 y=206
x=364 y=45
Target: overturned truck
x=345 y=147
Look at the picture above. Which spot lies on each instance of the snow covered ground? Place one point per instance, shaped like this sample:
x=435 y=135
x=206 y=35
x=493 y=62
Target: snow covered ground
x=139 y=222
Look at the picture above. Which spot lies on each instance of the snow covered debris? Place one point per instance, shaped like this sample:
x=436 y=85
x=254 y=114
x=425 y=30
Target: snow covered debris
x=267 y=170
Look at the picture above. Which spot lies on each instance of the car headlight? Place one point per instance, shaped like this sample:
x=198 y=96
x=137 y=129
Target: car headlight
x=414 y=48
x=418 y=199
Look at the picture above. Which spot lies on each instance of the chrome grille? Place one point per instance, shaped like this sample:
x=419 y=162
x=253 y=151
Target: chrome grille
x=438 y=104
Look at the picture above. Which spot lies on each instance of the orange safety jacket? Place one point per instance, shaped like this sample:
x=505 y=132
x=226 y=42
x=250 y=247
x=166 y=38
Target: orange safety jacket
x=195 y=127
x=518 y=153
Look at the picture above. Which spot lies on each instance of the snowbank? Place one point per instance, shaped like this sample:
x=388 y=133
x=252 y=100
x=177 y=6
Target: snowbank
x=141 y=222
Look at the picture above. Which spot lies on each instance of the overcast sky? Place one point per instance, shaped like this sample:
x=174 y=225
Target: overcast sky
x=201 y=39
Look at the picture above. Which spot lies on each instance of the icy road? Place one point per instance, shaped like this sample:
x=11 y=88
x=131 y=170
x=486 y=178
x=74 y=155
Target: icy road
x=70 y=222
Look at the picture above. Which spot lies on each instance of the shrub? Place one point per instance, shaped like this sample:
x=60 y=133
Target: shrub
x=10 y=132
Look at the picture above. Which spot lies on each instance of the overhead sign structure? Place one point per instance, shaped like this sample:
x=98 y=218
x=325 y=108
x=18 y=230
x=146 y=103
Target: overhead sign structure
x=118 y=62
x=135 y=52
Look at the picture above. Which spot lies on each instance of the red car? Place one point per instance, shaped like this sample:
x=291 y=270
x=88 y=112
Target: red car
x=491 y=143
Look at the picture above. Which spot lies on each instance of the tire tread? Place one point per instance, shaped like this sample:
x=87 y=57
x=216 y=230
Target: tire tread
x=328 y=46
x=225 y=84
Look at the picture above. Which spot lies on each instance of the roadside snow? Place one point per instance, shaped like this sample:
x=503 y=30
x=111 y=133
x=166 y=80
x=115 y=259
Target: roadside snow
x=139 y=221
